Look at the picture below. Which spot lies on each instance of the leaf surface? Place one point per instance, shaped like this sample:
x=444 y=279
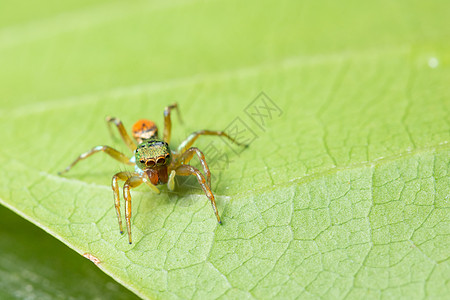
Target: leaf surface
x=343 y=191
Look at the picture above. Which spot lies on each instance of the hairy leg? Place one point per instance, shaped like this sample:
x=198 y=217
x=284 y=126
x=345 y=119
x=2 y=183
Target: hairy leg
x=187 y=143
x=168 y=121
x=186 y=157
x=186 y=170
x=119 y=156
x=132 y=182
x=115 y=187
x=123 y=133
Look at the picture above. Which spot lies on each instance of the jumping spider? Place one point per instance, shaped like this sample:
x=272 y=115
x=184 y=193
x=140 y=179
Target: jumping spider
x=155 y=163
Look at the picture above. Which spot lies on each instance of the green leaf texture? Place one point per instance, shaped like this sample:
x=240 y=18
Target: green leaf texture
x=344 y=191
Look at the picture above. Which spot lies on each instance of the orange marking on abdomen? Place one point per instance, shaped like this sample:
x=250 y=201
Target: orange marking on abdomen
x=144 y=129
x=143 y=125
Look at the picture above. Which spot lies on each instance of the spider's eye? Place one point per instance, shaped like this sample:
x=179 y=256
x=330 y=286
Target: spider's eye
x=161 y=161
x=142 y=161
x=150 y=163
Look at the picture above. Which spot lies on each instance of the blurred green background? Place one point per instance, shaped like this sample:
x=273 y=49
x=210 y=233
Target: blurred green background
x=53 y=50
x=34 y=265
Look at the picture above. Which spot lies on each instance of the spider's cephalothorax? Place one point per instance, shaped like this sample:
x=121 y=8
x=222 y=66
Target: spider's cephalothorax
x=152 y=156
x=152 y=153
x=155 y=163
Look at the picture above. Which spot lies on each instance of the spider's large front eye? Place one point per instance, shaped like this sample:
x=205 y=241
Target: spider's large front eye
x=150 y=163
x=161 y=161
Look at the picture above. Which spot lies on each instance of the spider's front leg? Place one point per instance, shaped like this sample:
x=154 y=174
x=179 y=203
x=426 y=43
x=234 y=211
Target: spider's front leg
x=123 y=133
x=132 y=180
x=115 y=187
x=186 y=157
x=119 y=156
x=186 y=170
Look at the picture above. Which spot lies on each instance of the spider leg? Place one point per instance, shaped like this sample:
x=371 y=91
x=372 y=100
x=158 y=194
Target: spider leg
x=123 y=133
x=187 y=143
x=119 y=156
x=187 y=155
x=132 y=182
x=115 y=187
x=186 y=170
x=168 y=121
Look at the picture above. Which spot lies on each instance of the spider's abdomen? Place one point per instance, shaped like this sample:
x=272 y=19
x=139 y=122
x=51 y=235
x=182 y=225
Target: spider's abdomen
x=144 y=129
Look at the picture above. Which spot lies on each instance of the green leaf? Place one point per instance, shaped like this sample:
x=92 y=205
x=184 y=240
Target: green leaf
x=344 y=191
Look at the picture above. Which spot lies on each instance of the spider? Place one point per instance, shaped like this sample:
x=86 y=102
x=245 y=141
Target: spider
x=155 y=163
